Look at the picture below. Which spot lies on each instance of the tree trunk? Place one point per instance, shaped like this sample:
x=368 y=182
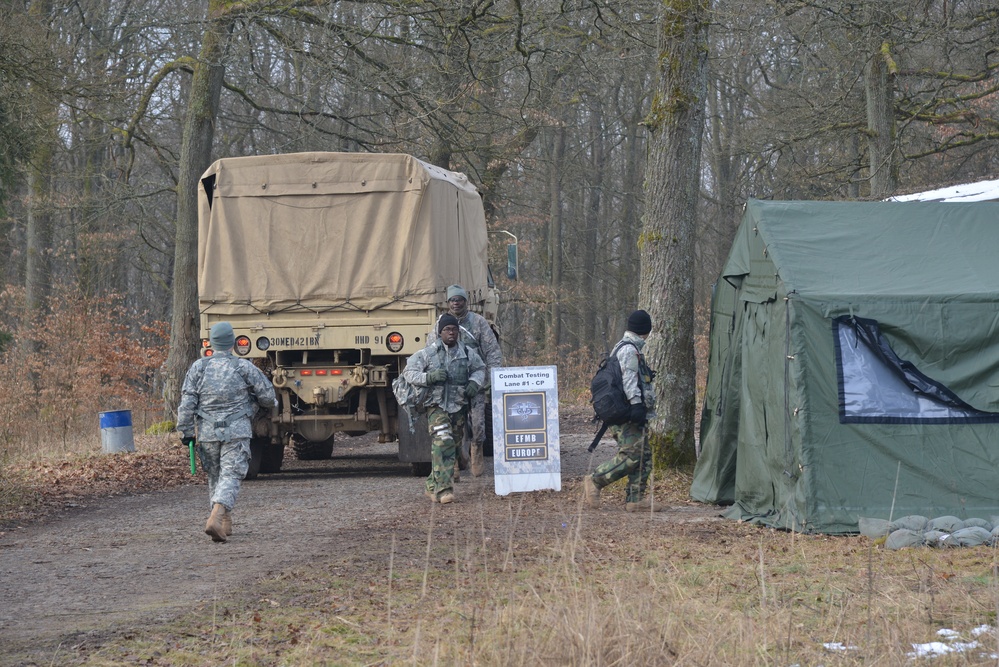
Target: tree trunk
x=628 y=273
x=39 y=234
x=589 y=291
x=38 y=223
x=666 y=244
x=555 y=238
x=879 y=78
x=195 y=156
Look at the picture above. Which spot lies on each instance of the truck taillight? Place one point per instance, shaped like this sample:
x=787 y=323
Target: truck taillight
x=205 y=343
x=242 y=346
x=394 y=341
x=263 y=343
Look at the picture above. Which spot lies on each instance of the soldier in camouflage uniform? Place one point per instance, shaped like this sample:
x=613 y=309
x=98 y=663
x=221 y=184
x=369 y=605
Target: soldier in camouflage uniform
x=219 y=396
x=634 y=456
x=478 y=335
x=454 y=372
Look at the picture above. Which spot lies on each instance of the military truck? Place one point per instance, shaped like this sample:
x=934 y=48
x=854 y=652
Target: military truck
x=332 y=269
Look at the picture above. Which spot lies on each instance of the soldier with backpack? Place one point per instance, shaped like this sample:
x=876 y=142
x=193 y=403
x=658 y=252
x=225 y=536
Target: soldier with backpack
x=219 y=396
x=454 y=373
x=634 y=456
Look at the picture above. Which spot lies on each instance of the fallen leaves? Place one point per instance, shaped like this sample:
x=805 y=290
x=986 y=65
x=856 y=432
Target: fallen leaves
x=30 y=491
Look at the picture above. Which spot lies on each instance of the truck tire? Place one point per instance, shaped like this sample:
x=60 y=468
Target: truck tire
x=421 y=468
x=487 y=445
x=257 y=446
x=272 y=459
x=314 y=451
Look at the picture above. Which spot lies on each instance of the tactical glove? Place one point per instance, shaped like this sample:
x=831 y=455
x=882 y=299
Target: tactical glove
x=637 y=414
x=187 y=441
x=471 y=389
x=438 y=376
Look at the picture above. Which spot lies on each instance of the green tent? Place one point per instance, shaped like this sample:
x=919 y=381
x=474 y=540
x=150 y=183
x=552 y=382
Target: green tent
x=854 y=365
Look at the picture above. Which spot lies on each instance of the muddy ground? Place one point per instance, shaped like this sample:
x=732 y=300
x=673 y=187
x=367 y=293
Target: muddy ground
x=102 y=565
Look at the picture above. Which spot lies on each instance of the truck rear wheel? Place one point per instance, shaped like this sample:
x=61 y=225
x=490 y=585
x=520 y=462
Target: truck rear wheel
x=487 y=446
x=272 y=459
x=314 y=451
x=257 y=446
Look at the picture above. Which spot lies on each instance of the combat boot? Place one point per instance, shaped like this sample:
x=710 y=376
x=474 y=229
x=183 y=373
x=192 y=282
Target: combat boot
x=457 y=474
x=214 y=527
x=476 y=459
x=227 y=523
x=446 y=497
x=591 y=493
x=644 y=505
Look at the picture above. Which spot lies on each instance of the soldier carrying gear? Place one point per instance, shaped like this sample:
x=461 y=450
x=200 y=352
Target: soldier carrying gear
x=634 y=456
x=476 y=333
x=219 y=397
x=454 y=373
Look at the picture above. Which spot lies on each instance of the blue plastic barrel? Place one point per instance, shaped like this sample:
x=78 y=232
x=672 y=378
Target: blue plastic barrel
x=116 y=431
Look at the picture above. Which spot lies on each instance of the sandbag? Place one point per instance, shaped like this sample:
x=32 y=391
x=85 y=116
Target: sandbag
x=975 y=536
x=947 y=524
x=904 y=537
x=936 y=538
x=911 y=522
x=873 y=528
x=975 y=521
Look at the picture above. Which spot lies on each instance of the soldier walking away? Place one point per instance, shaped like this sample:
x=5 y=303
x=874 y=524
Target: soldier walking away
x=478 y=335
x=454 y=372
x=634 y=456
x=218 y=400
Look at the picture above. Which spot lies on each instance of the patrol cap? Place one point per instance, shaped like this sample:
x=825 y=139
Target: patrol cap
x=221 y=336
x=456 y=290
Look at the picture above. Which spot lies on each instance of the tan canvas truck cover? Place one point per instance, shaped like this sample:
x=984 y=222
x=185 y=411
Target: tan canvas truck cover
x=319 y=231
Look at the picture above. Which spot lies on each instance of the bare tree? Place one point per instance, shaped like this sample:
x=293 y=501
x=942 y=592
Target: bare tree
x=195 y=156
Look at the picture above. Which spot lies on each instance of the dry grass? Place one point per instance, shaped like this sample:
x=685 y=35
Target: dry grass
x=548 y=583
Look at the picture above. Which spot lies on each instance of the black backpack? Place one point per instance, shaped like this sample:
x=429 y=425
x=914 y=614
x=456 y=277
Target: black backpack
x=610 y=404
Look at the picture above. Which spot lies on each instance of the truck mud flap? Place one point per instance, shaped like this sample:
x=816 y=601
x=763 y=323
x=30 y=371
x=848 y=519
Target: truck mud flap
x=414 y=447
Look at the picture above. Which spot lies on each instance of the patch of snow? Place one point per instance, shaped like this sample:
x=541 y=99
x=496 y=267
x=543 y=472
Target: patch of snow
x=838 y=646
x=966 y=192
x=950 y=643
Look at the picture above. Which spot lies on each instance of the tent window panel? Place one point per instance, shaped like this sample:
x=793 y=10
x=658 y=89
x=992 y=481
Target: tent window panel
x=876 y=386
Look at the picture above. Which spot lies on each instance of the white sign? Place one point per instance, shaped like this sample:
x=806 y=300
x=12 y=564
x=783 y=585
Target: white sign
x=525 y=429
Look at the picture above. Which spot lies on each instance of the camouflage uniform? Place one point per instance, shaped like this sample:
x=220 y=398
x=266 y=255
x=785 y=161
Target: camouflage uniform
x=478 y=335
x=220 y=395
x=447 y=405
x=634 y=456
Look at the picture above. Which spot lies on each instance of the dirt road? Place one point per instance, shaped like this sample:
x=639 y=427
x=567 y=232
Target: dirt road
x=121 y=562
